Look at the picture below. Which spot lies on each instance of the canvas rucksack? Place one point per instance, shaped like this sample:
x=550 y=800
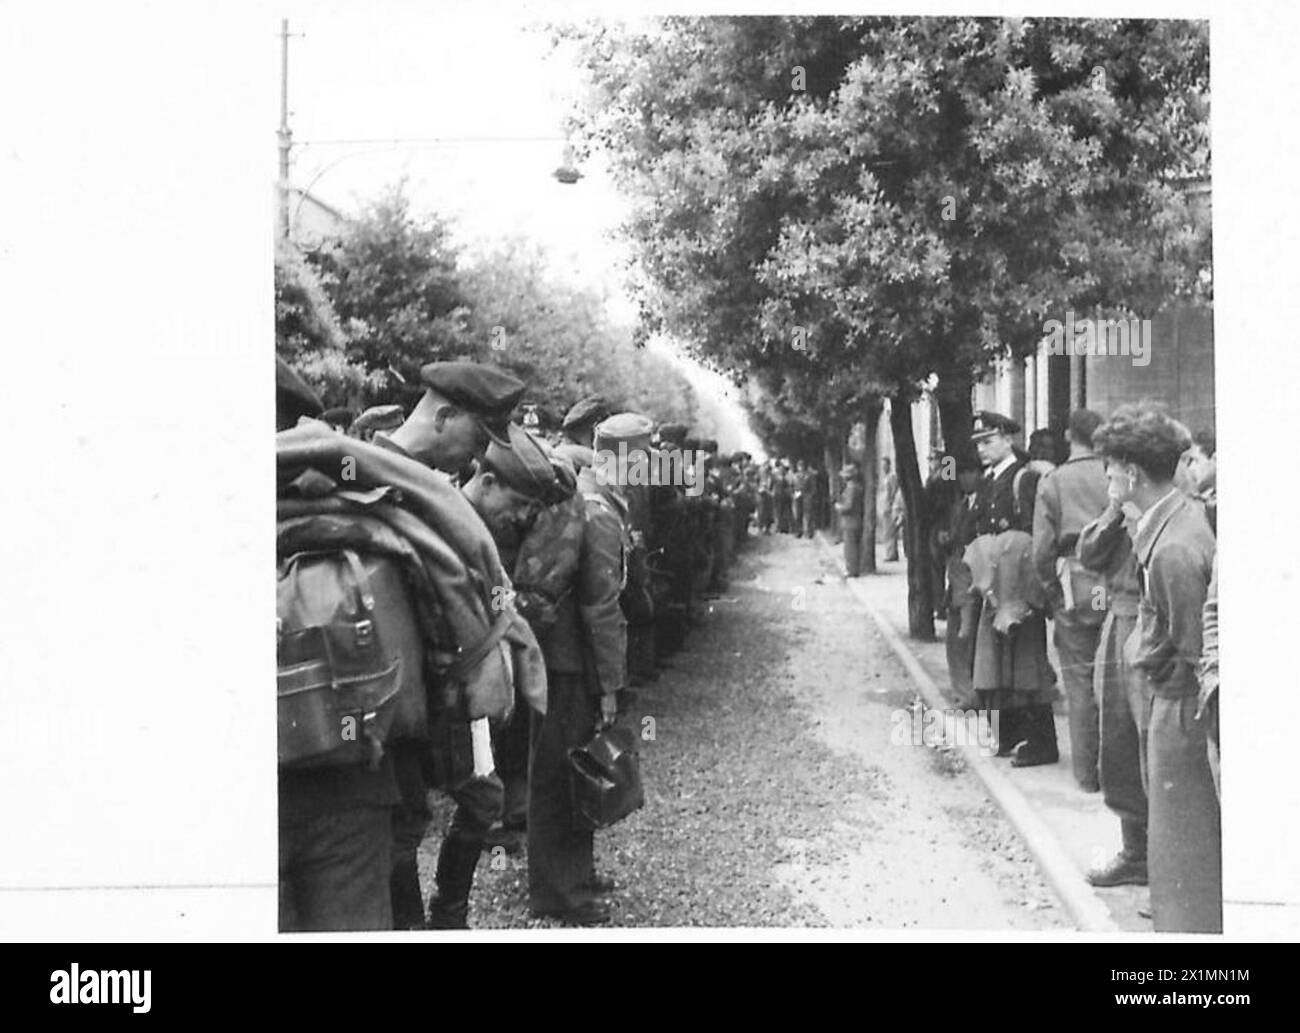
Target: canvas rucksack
x=350 y=656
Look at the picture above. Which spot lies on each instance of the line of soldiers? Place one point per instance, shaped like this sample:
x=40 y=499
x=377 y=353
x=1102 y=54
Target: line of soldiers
x=607 y=570
x=1117 y=546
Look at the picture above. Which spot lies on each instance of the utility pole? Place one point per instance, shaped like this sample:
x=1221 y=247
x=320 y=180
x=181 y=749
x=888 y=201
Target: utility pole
x=285 y=136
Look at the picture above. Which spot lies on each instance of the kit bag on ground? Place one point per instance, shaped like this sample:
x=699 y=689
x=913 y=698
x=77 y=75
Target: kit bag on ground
x=350 y=655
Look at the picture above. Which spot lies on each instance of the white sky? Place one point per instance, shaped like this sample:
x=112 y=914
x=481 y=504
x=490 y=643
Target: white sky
x=406 y=71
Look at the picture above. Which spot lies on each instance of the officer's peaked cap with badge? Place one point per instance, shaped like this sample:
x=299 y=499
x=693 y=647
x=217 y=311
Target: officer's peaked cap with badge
x=523 y=465
x=988 y=424
x=625 y=427
x=485 y=392
x=586 y=412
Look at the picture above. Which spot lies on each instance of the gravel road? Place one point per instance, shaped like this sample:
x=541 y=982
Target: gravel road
x=774 y=794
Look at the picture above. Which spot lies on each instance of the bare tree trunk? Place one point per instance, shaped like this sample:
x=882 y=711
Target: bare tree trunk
x=920 y=604
x=869 y=462
x=831 y=458
x=955 y=417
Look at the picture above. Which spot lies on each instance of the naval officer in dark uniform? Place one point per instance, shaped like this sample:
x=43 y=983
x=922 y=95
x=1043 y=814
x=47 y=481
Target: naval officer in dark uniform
x=1012 y=674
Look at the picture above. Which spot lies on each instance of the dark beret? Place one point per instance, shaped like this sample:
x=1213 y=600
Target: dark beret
x=485 y=392
x=989 y=423
x=293 y=398
x=586 y=412
x=524 y=465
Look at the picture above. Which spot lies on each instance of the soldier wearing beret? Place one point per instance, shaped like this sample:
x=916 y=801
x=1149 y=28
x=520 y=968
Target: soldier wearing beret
x=579 y=425
x=1174 y=549
x=510 y=486
x=465 y=408
x=569 y=575
x=1012 y=674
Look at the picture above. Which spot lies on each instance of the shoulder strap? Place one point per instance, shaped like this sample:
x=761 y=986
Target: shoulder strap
x=1015 y=490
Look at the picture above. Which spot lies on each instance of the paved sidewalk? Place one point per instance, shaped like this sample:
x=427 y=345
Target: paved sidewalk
x=1043 y=802
x=1067 y=829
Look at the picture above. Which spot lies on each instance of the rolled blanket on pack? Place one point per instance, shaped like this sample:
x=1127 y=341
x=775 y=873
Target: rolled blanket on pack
x=327 y=482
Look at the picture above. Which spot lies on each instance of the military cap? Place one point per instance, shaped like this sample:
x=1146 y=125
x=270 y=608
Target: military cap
x=989 y=423
x=672 y=433
x=524 y=465
x=629 y=427
x=340 y=416
x=485 y=392
x=293 y=398
x=379 y=417
x=585 y=412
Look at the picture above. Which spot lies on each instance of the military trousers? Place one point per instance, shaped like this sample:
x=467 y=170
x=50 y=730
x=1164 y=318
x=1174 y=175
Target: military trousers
x=560 y=855
x=1184 y=862
x=334 y=871
x=1122 y=754
x=1076 y=637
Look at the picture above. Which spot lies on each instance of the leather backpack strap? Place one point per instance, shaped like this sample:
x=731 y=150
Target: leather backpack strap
x=472 y=657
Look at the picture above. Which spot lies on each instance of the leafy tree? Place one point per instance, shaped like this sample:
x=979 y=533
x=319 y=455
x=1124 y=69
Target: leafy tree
x=393 y=281
x=560 y=338
x=308 y=335
x=849 y=206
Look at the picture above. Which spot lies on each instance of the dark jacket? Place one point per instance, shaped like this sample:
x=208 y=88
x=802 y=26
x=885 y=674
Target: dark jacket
x=1006 y=502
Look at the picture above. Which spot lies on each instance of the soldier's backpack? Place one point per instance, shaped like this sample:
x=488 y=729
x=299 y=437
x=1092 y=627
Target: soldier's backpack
x=350 y=657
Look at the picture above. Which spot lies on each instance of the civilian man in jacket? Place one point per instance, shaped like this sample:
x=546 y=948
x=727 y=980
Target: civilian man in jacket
x=1106 y=547
x=1070 y=496
x=585 y=651
x=1174 y=549
x=1012 y=674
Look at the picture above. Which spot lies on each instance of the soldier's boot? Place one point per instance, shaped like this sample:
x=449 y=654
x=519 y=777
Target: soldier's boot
x=1039 y=746
x=457 y=861
x=1008 y=723
x=404 y=888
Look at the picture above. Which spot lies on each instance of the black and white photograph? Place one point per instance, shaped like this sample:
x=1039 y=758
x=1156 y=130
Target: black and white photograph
x=738 y=472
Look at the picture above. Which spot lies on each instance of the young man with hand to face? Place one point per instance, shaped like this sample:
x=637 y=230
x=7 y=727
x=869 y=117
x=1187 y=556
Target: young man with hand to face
x=1174 y=549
